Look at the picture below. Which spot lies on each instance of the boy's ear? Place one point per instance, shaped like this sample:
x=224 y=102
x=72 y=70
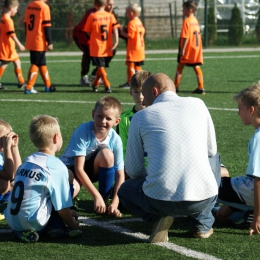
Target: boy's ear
x=252 y=110
x=117 y=121
x=55 y=138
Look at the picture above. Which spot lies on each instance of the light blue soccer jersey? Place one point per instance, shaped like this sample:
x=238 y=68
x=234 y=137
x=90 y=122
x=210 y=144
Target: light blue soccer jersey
x=1 y=161
x=40 y=182
x=83 y=141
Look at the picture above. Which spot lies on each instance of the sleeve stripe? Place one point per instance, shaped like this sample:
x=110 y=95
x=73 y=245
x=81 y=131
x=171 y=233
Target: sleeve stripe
x=10 y=32
x=46 y=22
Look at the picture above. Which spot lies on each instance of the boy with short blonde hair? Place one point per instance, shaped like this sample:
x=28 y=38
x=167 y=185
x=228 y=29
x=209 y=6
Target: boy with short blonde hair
x=41 y=195
x=8 y=40
x=95 y=154
x=135 y=42
x=243 y=192
x=190 y=47
x=10 y=159
x=101 y=26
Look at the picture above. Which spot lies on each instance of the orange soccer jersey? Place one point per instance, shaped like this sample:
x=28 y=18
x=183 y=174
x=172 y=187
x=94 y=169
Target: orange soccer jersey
x=37 y=16
x=7 y=44
x=193 y=51
x=135 y=42
x=100 y=26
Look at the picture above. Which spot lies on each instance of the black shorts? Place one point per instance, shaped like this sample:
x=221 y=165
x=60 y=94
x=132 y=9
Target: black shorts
x=101 y=61
x=227 y=193
x=38 y=58
x=88 y=166
x=136 y=63
x=188 y=64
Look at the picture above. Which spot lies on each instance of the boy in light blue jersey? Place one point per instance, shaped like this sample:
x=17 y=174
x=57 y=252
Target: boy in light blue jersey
x=95 y=154
x=41 y=195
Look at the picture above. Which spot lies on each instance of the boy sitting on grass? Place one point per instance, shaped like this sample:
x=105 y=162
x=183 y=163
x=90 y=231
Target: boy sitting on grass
x=41 y=196
x=95 y=154
x=241 y=193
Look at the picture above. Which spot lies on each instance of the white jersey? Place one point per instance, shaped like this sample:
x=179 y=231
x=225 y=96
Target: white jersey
x=40 y=183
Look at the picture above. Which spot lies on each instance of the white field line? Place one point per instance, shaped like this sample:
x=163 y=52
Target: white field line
x=109 y=225
x=89 y=102
x=157 y=59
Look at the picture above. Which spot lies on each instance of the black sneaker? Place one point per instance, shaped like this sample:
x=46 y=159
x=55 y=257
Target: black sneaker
x=22 y=85
x=50 y=89
x=26 y=236
x=125 y=86
x=107 y=90
x=2 y=87
x=199 y=91
x=95 y=88
x=248 y=219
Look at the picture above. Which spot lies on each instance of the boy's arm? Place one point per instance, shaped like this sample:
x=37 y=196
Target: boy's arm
x=15 y=152
x=66 y=216
x=99 y=204
x=120 y=178
x=18 y=43
x=183 y=47
x=115 y=31
x=48 y=36
x=255 y=228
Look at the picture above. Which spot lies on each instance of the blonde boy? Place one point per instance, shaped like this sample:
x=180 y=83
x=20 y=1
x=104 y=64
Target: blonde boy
x=8 y=40
x=243 y=192
x=190 y=49
x=95 y=153
x=136 y=83
x=10 y=159
x=41 y=195
x=135 y=42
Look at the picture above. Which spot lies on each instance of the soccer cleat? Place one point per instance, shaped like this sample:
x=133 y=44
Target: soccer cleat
x=22 y=85
x=74 y=232
x=26 y=236
x=75 y=203
x=95 y=88
x=84 y=81
x=50 y=89
x=160 y=230
x=2 y=216
x=199 y=91
x=108 y=90
x=203 y=234
x=31 y=91
x=2 y=87
x=248 y=219
x=125 y=86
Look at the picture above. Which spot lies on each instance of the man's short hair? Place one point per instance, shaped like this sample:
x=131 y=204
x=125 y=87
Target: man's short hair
x=191 y=5
x=108 y=102
x=138 y=79
x=100 y=2
x=249 y=96
x=42 y=129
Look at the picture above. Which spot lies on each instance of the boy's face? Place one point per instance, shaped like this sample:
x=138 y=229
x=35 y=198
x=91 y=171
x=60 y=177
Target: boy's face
x=245 y=114
x=14 y=10
x=138 y=98
x=110 y=5
x=104 y=119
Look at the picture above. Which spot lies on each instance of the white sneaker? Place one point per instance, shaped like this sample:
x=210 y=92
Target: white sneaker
x=31 y=91
x=84 y=81
x=91 y=79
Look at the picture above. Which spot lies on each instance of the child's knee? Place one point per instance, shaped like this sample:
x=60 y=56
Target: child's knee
x=106 y=158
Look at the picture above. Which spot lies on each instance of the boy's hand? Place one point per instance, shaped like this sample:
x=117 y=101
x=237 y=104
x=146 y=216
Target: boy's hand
x=10 y=140
x=255 y=228
x=99 y=204
x=22 y=48
x=50 y=47
x=112 y=210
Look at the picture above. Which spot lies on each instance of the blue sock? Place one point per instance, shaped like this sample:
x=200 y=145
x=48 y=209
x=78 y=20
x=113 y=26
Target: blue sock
x=237 y=216
x=71 y=189
x=106 y=177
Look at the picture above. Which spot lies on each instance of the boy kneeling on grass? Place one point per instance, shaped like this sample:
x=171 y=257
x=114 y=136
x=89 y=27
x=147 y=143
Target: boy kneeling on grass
x=41 y=195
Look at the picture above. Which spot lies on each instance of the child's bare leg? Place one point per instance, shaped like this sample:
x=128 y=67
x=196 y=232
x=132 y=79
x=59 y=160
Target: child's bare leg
x=178 y=75
x=223 y=214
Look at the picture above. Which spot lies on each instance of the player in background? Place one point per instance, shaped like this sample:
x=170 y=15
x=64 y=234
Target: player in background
x=101 y=26
x=8 y=40
x=135 y=42
x=38 y=39
x=190 y=48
